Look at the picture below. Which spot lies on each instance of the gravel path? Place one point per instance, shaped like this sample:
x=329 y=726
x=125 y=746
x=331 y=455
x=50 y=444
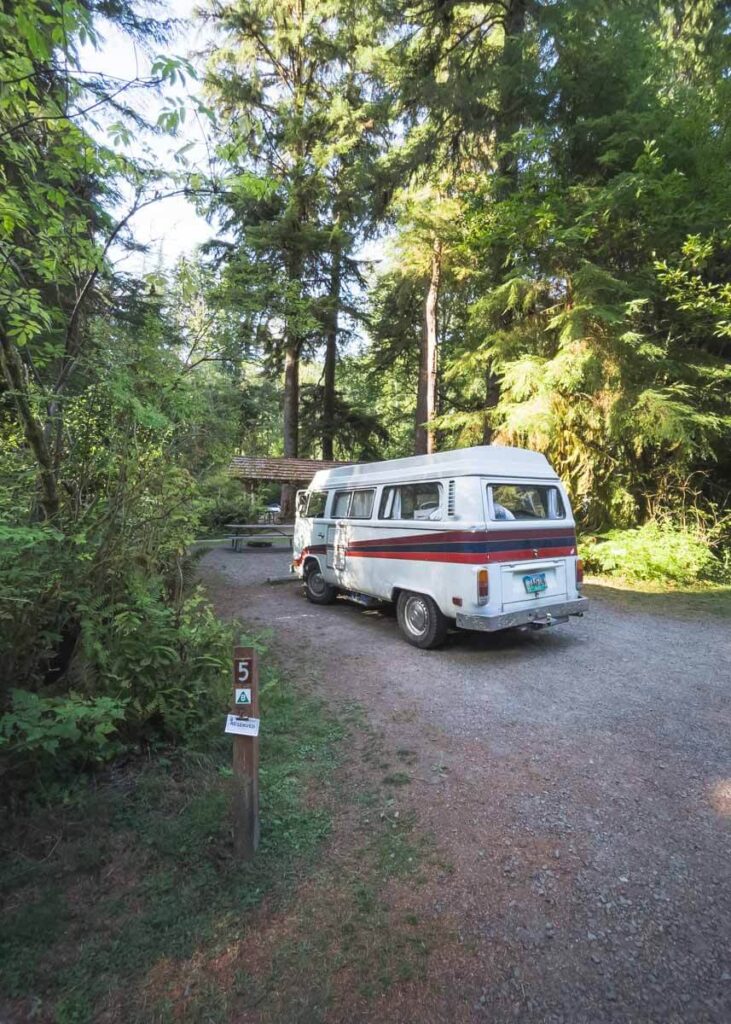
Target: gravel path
x=578 y=780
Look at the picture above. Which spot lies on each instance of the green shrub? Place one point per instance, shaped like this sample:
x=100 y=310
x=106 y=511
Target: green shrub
x=169 y=664
x=32 y=568
x=652 y=553
x=51 y=736
x=144 y=671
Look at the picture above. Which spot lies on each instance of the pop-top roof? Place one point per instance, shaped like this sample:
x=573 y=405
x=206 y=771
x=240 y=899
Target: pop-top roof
x=483 y=460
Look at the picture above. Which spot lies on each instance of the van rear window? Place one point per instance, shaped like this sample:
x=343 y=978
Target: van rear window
x=525 y=501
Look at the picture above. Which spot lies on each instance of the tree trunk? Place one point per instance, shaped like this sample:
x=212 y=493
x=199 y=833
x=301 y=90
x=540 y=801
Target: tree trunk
x=331 y=355
x=14 y=374
x=492 y=397
x=509 y=117
x=427 y=391
x=291 y=421
x=291 y=400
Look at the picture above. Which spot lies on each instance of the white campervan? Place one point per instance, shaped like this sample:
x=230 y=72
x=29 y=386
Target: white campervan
x=481 y=538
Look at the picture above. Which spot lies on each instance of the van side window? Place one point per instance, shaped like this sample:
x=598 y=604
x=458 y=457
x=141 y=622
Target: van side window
x=362 y=504
x=341 y=504
x=316 y=504
x=354 y=504
x=526 y=501
x=412 y=501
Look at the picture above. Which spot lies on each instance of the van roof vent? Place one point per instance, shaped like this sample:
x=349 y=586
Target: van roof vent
x=450 y=498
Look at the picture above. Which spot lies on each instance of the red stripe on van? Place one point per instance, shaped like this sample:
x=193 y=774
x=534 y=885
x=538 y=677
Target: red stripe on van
x=466 y=557
x=316 y=549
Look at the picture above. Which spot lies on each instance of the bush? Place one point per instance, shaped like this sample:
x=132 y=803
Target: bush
x=32 y=568
x=652 y=553
x=169 y=664
x=51 y=736
x=145 y=671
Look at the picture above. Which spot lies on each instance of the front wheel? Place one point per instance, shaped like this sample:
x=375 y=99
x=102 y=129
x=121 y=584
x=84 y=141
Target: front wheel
x=317 y=589
x=420 y=620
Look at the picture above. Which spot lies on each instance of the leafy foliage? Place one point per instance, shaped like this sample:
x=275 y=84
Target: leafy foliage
x=588 y=265
x=44 y=737
x=225 y=502
x=653 y=553
x=303 y=118
x=102 y=642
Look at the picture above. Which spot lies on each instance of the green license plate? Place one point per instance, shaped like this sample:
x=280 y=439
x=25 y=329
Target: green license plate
x=535 y=583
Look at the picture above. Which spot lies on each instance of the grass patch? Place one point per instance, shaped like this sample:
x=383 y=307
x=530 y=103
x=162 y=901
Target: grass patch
x=141 y=869
x=397 y=779
x=126 y=904
x=398 y=848
x=345 y=945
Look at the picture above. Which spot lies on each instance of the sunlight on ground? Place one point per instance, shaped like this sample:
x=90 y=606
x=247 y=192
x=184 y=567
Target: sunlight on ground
x=721 y=797
x=649 y=597
x=652 y=587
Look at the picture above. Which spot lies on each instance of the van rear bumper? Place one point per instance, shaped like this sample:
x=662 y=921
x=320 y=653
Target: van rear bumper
x=548 y=615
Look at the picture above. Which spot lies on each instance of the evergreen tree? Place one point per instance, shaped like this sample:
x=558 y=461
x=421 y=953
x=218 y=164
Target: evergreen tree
x=627 y=160
x=303 y=121
x=461 y=80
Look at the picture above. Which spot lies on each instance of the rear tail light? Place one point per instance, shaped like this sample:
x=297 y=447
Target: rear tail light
x=579 y=571
x=483 y=586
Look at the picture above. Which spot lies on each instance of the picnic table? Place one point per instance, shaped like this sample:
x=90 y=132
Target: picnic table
x=241 y=532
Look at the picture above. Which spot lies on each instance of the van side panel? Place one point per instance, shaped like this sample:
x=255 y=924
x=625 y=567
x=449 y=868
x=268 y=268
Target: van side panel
x=383 y=556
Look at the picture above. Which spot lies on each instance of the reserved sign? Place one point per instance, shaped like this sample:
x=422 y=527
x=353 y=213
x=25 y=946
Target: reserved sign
x=242 y=726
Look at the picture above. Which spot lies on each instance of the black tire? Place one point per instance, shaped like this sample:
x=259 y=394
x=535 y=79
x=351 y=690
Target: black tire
x=420 y=620
x=317 y=589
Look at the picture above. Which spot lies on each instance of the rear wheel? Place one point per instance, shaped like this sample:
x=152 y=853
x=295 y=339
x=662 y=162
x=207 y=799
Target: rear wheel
x=317 y=589
x=420 y=620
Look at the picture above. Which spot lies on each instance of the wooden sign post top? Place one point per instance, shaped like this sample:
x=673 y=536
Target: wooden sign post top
x=246 y=678
x=243 y=724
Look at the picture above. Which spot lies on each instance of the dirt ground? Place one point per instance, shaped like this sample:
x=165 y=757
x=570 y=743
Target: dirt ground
x=577 y=779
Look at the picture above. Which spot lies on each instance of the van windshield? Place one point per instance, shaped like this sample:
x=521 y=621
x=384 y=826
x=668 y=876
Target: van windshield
x=524 y=501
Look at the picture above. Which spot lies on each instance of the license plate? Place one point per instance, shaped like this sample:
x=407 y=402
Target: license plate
x=535 y=583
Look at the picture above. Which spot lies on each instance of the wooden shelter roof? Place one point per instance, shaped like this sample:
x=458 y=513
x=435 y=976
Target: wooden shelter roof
x=279 y=469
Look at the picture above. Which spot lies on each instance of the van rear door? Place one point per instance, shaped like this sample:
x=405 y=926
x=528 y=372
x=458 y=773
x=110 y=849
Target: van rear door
x=532 y=535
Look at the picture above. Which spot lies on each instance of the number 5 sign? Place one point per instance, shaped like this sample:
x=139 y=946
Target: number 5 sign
x=243 y=671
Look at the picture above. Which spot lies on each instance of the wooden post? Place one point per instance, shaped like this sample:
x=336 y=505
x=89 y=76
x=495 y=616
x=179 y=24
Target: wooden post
x=246 y=757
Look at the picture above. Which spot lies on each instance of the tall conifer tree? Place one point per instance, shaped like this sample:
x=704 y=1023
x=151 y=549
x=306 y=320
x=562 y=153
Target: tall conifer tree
x=302 y=120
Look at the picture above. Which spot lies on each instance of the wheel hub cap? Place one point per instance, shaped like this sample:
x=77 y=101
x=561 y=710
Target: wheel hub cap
x=416 y=615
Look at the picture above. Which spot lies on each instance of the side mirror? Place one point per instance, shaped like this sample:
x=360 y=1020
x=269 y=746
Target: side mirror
x=301 y=502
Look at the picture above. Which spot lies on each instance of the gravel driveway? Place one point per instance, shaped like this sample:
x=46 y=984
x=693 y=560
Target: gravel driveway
x=578 y=780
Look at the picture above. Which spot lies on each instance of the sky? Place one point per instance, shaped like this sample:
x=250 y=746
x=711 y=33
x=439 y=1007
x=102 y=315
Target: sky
x=171 y=228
